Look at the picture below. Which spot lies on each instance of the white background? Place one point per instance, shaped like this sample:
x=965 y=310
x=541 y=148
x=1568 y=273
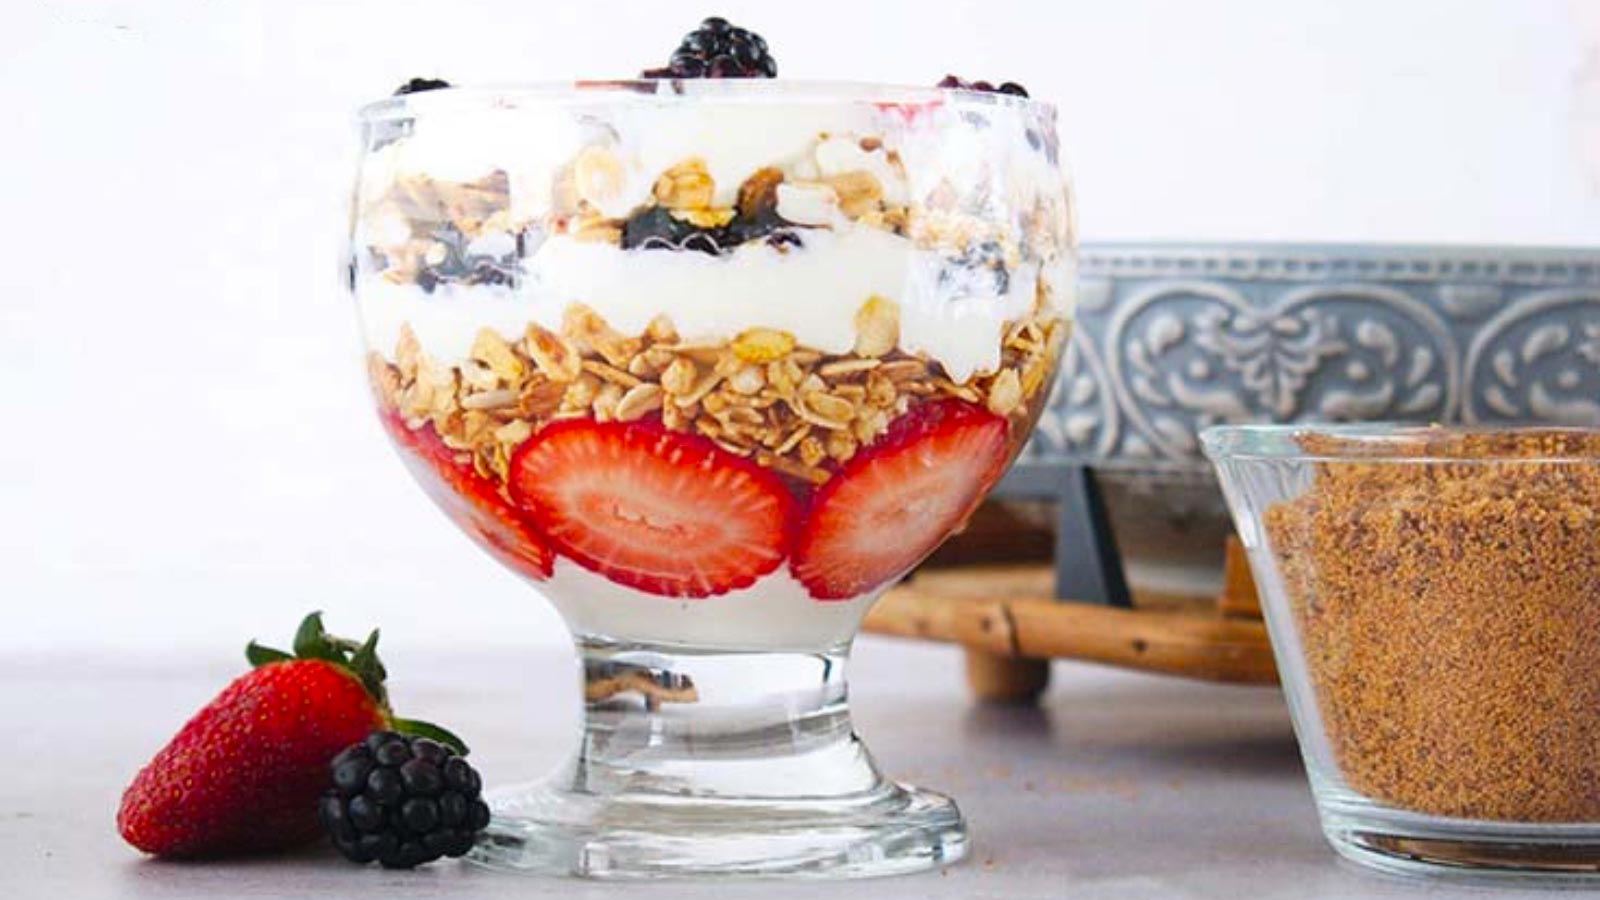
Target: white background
x=187 y=452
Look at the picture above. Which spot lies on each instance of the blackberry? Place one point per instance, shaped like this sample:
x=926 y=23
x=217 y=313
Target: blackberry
x=718 y=50
x=418 y=85
x=1008 y=87
x=658 y=229
x=402 y=801
x=467 y=262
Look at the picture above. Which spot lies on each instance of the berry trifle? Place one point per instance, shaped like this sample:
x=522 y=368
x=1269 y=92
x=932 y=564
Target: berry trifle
x=712 y=360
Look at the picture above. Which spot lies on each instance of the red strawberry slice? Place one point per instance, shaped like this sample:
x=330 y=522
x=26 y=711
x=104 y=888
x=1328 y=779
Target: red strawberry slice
x=471 y=500
x=666 y=513
x=896 y=500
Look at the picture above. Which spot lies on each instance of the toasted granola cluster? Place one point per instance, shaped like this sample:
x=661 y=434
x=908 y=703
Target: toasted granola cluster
x=790 y=408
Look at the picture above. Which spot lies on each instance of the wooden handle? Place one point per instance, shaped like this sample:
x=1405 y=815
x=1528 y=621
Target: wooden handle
x=1180 y=643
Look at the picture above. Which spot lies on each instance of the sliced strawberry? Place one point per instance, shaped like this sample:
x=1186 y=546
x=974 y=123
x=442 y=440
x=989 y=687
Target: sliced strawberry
x=910 y=112
x=899 y=498
x=471 y=500
x=667 y=513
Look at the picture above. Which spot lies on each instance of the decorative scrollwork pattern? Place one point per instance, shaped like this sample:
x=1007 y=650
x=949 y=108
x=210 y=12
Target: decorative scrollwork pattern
x=1174 y=339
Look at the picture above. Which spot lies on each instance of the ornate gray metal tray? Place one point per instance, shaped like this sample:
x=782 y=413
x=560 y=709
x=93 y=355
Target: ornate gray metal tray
x=1172 y=337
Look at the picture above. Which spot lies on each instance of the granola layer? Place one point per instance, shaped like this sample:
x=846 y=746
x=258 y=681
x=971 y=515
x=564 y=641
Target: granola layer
x=761 y=395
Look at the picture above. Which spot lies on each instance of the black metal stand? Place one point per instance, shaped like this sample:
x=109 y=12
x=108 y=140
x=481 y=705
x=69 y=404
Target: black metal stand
x=1088 y=568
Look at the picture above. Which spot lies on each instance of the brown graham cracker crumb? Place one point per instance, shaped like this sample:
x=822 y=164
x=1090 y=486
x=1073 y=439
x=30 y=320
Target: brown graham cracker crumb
x=1449 y=613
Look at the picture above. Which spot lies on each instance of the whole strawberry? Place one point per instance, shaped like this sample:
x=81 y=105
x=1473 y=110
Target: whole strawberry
x=244 y=775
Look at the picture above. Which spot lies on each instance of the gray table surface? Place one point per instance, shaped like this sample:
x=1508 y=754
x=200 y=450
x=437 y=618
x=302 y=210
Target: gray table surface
x=1120 y=785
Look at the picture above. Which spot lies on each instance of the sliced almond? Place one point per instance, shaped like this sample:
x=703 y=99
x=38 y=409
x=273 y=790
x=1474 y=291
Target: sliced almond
x=490 y=399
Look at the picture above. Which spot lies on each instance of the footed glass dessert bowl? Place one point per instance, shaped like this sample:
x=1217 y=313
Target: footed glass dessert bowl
x=711 y=364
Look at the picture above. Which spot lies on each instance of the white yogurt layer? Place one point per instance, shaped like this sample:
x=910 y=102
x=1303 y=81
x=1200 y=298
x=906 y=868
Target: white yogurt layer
x=775 y=613
x=812 y=292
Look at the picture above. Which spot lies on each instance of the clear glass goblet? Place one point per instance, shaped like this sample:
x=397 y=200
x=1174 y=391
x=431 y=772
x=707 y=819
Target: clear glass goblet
x=711 y=364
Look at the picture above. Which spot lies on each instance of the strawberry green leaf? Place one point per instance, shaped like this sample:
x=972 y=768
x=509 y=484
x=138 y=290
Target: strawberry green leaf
x=311 y=641
x=364 y=663
x=259 y=656
x=444 y=736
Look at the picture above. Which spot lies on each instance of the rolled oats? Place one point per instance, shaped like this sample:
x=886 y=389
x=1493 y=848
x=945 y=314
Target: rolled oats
x=841 y=445
x=680 y=376
x=748 y=380
x=606 y=400
x=493 y=351
x=557 y=359
x=640 y=399
x=609 y=373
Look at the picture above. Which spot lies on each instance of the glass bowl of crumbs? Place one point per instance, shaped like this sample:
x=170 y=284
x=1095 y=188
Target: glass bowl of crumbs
x=1433 y=596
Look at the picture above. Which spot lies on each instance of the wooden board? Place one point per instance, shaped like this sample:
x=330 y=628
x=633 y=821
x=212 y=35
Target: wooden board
x=1008 y=612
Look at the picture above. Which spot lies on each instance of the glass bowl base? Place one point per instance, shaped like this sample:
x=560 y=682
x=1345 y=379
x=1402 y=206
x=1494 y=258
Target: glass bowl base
x=1465 y=851
x=551 y=830
x=702 y=762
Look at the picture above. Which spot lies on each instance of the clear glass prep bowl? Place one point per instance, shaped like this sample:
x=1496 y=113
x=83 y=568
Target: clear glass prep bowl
x=1433 y=597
